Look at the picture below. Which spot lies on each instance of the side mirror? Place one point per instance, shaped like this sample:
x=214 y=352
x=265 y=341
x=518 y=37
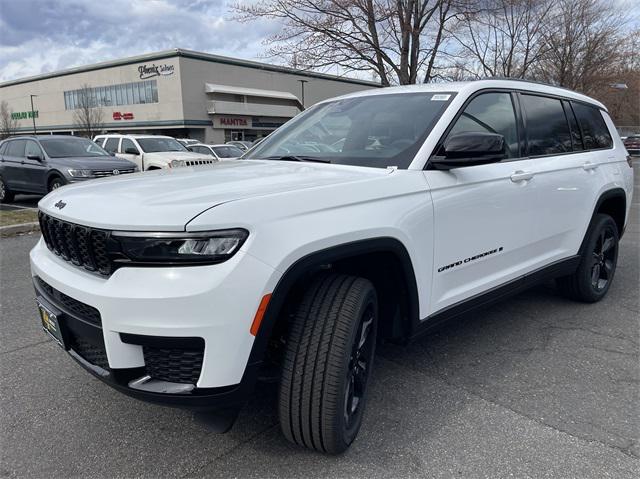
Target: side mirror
x=132 y=151
x=469 y=149
x=35 y=157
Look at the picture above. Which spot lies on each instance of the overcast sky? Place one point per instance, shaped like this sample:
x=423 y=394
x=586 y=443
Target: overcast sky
x=38 y=36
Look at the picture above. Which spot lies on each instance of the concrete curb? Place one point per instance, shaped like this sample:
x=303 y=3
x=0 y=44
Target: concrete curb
x=22 y=228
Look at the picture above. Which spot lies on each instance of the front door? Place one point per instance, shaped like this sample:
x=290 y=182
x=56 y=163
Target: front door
x=483 y=214
x=130 y=151
x=34 y=170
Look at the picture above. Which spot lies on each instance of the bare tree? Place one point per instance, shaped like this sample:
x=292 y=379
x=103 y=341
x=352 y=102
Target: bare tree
x=399 y=40
x=501 y=38
x=584 y=40
x=88 y=115
x=8 y=124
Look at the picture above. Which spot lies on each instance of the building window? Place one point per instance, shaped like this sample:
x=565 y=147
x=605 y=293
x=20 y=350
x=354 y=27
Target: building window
x=115 y=95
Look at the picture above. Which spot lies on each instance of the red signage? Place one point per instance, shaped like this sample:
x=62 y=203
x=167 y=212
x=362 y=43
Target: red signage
x=233 y=121
x=122 y=116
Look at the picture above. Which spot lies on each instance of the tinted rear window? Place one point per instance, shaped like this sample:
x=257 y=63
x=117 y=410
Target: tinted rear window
x=594 y=130
x=546 y=126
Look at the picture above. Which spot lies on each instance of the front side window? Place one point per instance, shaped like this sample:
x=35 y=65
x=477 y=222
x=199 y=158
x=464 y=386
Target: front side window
x=153 y=145
x=546 y=126
x=128 y=144
x=71 y=147
x=111 y=145
x=228 y=151
x=594 y=130
x=490 y=113
x=376 y=130
x=32 y=149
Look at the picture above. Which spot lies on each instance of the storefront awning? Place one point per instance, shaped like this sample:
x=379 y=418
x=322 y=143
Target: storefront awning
x=257 y=92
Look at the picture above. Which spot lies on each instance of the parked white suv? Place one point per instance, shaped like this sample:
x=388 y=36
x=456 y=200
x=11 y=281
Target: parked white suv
x=374 y=216
x=151 y=152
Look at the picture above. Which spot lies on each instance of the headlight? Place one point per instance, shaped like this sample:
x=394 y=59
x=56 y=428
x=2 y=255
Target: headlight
x=178 y=248
x=81 y=173
x=176 y=163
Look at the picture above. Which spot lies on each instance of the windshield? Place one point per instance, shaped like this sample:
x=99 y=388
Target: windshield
x=377 y=130
x=71 y=147
x=227 y=151
x=155 y=145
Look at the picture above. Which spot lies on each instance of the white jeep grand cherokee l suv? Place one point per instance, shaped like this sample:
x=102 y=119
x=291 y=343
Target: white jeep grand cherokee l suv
x=374 y=216
x=152 y=152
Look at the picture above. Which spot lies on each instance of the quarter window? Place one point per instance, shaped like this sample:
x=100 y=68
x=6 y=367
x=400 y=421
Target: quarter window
x=490 y=113
x=111 y=145
x=594 y=129
x=546 y=126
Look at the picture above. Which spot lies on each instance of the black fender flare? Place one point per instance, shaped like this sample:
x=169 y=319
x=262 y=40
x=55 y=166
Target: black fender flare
x=606 y=195
x=309 y=263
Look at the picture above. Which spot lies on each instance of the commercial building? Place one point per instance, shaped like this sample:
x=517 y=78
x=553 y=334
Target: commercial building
x=177 y=92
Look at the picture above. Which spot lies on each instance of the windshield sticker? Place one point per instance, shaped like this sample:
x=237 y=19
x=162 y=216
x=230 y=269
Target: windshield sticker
x=440 y=97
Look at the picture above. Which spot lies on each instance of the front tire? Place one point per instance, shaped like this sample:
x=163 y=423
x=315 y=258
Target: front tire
x=594 y=274
x=328 y=362
x=55 y=183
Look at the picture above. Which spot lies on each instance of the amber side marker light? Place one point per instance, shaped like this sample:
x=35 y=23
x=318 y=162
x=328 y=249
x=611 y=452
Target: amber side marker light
x=255 y=326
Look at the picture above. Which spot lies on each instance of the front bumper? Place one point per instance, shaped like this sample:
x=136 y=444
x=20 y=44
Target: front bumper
x=215 y=304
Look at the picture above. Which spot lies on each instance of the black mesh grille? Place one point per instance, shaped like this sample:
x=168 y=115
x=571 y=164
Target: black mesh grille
x=93 y=353
x=79 y=309
x=173 y=365
x=82 y=246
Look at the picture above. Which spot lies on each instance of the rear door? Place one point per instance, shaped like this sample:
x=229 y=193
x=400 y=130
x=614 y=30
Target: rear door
x=13 y=164
x=34 y=170
x=482 y=213
x=567 y=172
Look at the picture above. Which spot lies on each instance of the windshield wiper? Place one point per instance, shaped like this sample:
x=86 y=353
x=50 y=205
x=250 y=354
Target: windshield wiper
x=296 y=158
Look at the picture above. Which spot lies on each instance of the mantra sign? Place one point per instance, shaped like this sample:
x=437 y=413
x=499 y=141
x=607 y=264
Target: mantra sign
x=232 y=122
x=122 y=116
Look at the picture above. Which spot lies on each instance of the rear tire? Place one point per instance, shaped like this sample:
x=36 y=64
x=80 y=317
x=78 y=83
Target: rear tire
x=592 y=279
x=328 y=362
x=6 y=195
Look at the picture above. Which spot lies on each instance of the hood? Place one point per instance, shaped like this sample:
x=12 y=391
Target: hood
x=93 y=163
x=166 y=200
x=177 y=155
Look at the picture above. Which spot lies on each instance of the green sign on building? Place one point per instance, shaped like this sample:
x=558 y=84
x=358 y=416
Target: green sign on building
x=23 y=115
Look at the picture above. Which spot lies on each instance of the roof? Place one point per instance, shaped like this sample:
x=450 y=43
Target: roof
x=470 y=87
x=179 y=52
x=236 y=90
x=123 y=135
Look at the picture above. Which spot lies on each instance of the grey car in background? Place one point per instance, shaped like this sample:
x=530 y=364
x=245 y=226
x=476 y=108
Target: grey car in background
x=40 y=164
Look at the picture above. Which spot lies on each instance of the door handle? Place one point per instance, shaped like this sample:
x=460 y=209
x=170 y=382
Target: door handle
x=521 y=176
x=589 y=166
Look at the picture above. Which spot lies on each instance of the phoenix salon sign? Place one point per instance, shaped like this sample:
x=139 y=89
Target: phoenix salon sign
x=153 y=70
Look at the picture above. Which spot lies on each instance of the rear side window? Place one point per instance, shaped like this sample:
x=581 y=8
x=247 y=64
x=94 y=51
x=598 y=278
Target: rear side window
x=594 y=129
x=576 y=137
x=16 y=148
x=490 y=113
x=546 y=126
x=111 y=145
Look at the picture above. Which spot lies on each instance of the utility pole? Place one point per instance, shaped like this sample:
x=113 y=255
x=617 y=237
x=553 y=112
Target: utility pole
x=302 y=82
x=33 y=115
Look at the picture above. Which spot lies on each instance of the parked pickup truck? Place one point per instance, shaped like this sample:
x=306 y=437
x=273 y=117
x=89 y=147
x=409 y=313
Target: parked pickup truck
x=152 y=152
x=371 y=217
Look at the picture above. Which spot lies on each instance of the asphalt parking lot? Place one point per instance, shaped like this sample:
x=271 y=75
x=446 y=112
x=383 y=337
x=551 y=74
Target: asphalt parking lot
x=537 y=386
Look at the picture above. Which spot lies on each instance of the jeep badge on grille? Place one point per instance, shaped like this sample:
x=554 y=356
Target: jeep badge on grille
x=60 y=204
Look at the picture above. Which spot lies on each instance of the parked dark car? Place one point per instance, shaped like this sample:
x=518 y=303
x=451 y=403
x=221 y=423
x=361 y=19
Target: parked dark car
x=40 y=164
x=632 y=144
